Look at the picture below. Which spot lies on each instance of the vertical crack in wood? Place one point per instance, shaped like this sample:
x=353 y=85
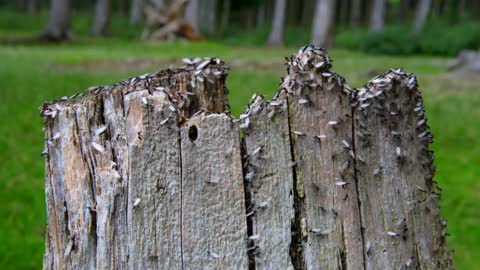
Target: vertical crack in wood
x=268 y=173
x=296 y=246
x=248 y=202
x=126 y=173
x=321 y=131
x=355 y=177
x=181 y=197
x=87 y=159
x=343 y=253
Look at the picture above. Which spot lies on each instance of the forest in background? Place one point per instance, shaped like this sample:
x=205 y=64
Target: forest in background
x=395 y=27
x=33 y=71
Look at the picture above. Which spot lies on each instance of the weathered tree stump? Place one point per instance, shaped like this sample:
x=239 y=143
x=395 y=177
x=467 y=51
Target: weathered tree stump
x=153 y=173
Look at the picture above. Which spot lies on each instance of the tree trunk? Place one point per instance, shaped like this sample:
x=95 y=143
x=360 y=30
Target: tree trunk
x=439 y=7
x=136 y=11
x=293 y=13
x=462 y=7
x=251 y=17
x=32 y=7
x=322 y=33
x=58 y=27
x=225 y=18
x=123 y=7
x=307 y=12
x=213 y=17
x=101 y=24
x=208 y=13
x=355 y=13
x=343 y=12
x=403 y=11
x=191 y=14
x=421 y=15
x=261 y=14
x=278 y=24
x=377 y=16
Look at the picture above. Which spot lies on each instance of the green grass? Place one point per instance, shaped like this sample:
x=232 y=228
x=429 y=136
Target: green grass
x=32 y=74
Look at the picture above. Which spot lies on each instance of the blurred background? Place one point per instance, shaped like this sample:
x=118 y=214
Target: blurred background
x=53 y=48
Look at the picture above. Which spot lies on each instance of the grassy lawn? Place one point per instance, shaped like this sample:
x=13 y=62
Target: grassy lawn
x=32 y=74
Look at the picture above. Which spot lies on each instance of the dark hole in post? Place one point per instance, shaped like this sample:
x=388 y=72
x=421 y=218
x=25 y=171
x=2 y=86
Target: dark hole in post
x=193 y=133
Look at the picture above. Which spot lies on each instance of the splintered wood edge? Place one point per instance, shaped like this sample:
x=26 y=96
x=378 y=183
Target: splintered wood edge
x=197 y=86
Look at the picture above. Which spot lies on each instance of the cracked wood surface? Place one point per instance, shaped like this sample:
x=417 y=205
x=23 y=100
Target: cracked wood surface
x=399 y=200
x=150 y=173
x=321 y=126
x=113 y=169
x=214 y=228
x=269 y=167
x=154 y=184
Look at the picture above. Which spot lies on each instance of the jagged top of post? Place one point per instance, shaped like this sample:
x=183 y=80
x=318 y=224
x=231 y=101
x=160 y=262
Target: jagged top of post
x=199 y=70
x=377 y=88
x=309 y=59
x=310 y=67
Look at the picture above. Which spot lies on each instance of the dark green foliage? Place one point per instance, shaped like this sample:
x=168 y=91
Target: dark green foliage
x=9 y=21
x=394 y=40
x=442 y=39
x=350 y=39
x=236 y=36
x=438 y=38
x=295 y=36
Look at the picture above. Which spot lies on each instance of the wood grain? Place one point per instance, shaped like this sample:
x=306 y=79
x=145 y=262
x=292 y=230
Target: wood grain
x=399 y=200
x=321 y=126
x=214 y=228
x=269 y=172
x=153 y=173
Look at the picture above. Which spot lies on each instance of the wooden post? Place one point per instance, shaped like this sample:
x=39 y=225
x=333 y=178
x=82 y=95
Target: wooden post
x=114 y=175
x=214 y=228
x=347 y=215
x=399 y=198
x=153 y=173
x=269 y=177
x=321 y=125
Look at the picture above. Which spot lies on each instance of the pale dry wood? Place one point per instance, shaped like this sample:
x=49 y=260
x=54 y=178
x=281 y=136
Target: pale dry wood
x=154 y=184
x=112 y=246
x=321 y=126
x=148 y=174
x=269 y=174
x=214 y=228
x=88 y=189
x=69 y=187
x=400 y=214
x=113 y=168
